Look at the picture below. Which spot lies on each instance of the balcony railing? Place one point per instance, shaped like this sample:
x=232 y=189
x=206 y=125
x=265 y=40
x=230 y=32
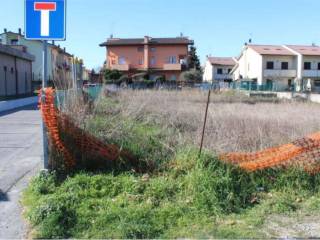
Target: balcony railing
x=280 y=73
x=120 y=67
x=311 y=73
x=222 y=76
x=172 y=67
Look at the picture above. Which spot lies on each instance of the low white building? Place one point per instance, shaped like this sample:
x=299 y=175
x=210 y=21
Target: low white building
x=280 y=67
x=218 y=69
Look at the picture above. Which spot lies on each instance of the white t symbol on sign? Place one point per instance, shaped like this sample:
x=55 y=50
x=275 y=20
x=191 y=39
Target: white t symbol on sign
x=45 y=8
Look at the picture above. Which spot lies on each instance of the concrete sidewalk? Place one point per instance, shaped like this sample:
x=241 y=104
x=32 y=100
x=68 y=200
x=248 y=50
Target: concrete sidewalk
x=20 y=158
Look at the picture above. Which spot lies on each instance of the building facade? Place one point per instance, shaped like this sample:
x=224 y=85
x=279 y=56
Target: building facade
x=15 y=72
x=62 y=66
x=166 y=57
x=282 y=66
x=308 y=67
x=218 y=69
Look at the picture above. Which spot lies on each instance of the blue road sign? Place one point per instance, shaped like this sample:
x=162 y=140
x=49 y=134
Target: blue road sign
x=45 y=19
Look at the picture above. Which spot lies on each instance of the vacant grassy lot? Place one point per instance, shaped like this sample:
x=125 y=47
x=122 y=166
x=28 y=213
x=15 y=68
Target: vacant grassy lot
x=236 y=122
x=182 y=195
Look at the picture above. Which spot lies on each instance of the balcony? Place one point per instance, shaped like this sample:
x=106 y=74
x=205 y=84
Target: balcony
x=172 y=67
x=290 y=73
x=222 y=76
x=120 y=67
x=311 y=73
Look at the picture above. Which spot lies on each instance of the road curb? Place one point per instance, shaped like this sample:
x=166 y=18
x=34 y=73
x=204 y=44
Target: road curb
x=13 y=104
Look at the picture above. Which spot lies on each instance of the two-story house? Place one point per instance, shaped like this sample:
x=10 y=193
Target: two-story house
x=165 y=57
x=308 y=66
x=266 y=65
x=284 y=66
x=218 y=69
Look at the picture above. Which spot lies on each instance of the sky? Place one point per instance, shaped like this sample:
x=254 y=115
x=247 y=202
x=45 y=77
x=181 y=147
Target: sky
x=218 y=27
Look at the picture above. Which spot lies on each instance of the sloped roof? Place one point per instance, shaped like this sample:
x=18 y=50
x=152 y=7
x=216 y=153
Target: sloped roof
x=306 y=50
x=16 y=53
x=229 y=61
x=141 y=41
x=271 y=50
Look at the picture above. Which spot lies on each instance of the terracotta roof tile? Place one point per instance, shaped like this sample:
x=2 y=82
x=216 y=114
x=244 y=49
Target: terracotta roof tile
x=271 y=50
x=306 y=50
x=222 y=61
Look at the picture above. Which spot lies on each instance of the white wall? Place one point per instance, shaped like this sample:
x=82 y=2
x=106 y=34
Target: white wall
x=250 y=66
x=208 y=72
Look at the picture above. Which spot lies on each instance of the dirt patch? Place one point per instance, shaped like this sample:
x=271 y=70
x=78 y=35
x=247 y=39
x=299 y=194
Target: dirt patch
x=295 y=226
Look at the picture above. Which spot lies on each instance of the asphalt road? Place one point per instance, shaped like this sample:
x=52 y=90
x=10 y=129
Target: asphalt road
x=20 y=159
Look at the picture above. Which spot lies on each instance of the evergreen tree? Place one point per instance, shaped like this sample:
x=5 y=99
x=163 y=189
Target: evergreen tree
x=193 y=59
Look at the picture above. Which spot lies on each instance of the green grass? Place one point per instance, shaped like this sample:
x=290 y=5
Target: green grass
x=194 y=198
x=185 y=196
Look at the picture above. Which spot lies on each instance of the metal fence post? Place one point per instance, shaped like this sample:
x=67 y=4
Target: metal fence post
x=205 y=120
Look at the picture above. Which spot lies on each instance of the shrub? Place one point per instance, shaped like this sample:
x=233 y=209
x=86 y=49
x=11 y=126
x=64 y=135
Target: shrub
x=112 y=75
x=192 y=76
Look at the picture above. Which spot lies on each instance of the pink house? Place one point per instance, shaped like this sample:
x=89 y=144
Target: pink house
x=165 y=57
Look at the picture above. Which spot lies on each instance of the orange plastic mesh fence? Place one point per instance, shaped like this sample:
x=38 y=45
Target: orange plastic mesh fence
x=303 y=153
x=73 y=142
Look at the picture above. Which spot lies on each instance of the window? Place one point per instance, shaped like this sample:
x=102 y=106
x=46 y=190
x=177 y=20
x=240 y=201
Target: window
x=14 y=42
x=307 y=65
x=153 y=61
x=317 y=83
x=172 y=59
x=270 y=65
x=284 y=65
x=229 y=70
x=122 y=60
x=219 y=71
x=140 y=49
x=319 y=66
x=140 y=61
x=153 y=49
x=173 y=77
x=12 y=70
x=113 y=62
x=5 y=68
x=290 y=82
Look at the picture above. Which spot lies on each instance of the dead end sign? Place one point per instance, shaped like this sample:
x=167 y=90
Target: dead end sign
x=45 y=19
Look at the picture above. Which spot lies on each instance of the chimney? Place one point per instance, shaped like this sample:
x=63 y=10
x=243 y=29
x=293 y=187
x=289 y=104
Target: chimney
x=64 y=49
x=250 y=41
x=53 y=42
x=19 y=31
x=5 y=30
x=111 y=36
x=146 y=39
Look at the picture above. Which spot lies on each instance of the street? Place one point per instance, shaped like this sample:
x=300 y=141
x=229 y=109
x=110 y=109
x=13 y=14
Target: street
x=20 y=158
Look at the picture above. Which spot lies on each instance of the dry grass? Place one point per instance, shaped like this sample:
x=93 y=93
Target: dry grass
x=235 y=123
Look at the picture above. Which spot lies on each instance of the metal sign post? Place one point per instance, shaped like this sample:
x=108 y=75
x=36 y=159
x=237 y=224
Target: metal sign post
x=43 y=99
x=45 y=20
